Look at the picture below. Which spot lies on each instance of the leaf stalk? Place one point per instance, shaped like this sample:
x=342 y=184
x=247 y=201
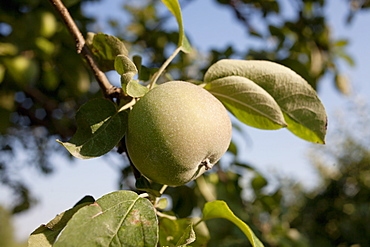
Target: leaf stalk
x=163 y=67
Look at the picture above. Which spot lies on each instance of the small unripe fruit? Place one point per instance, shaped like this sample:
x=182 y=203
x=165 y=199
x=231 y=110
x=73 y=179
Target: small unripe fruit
x=176 y=132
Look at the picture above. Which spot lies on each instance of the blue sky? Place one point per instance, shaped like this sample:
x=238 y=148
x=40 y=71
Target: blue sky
x=279 y=152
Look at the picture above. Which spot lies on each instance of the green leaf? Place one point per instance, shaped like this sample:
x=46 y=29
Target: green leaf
x=233 y=148
x=105 y=48
x=303 y=110
x=258 y=182
x=346 y=57
x=99 y=128
x=174 y=7
x=146 y=73
x=187 y=237
x=219 y=209
x=108 y=46
x=247 y=101
x=137 y=60
x=181 y=232
x=342 y=42
x=162 y=204
x=45 y=235
x=125 y=67
x=134 y=89
x=24 y=70
x=121 y=218
x=8 y=49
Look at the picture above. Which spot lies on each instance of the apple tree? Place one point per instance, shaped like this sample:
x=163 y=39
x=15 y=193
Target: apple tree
x=259 y=90
x=171 y=132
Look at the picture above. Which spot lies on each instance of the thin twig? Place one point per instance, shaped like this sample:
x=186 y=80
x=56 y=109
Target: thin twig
x=108 y=89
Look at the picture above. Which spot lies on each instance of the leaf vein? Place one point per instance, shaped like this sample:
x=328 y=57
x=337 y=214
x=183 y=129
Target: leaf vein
x=124 y=217
x=243 y=104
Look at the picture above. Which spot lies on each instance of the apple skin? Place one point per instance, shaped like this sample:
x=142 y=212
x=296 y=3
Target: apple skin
x=176 y=132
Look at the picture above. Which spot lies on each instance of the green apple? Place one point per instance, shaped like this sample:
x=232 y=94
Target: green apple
x=176 y=132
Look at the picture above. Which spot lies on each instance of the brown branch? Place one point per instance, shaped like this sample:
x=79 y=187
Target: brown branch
x=108 y=89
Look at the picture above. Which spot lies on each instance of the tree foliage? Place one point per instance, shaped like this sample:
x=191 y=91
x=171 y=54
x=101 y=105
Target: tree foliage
x=43 y=82
x=336 y=213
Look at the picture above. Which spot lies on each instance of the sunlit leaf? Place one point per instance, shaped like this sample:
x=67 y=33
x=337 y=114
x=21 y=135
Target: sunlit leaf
x=99 y=128
x=174 y=7
x=303 y=110
x=162 y=204
x=134 y=89
x=22 y=69
x=250 y=103
x=121 y=218
x=48 y=24
x=219 y=209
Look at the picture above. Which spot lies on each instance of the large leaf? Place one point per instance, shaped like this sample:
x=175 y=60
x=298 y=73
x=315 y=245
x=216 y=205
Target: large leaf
x=174 y=7
x=250 y=103
x=99 y=128
x=121 y=218
x=303 y=110
x=219 y=209
x=45 y=235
